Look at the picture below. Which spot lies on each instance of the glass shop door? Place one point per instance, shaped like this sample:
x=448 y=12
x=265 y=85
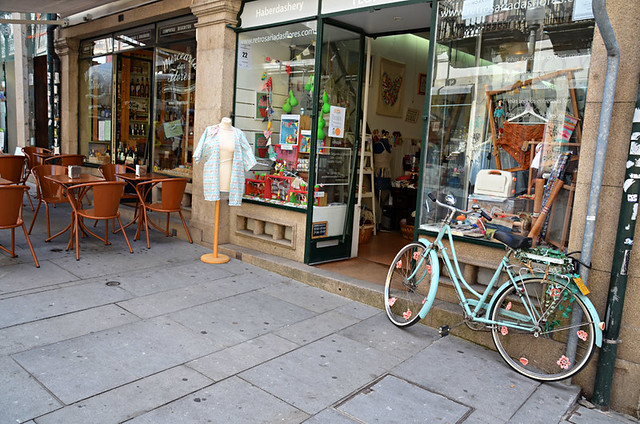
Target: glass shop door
x=329 y=223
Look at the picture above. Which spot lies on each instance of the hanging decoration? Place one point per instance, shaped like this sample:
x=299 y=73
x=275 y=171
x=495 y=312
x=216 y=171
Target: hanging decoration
x=390 y=88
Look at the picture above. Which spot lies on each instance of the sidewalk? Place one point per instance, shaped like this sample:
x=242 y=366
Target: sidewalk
x=160 y=337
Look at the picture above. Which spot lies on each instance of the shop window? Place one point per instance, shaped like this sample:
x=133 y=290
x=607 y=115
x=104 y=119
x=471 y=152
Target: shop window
x=275 y=80
x=507 y=109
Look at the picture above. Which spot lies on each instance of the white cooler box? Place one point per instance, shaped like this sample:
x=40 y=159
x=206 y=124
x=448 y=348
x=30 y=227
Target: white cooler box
x=494 y=182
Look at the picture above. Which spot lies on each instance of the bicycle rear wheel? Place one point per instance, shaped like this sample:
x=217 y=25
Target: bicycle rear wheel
x=555 y=348
x=408 y=284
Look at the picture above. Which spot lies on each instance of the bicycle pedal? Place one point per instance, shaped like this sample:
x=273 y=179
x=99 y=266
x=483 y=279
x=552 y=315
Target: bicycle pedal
x=444 y=330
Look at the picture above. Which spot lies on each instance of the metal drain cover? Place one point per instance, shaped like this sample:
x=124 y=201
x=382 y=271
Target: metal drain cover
x=113 y=283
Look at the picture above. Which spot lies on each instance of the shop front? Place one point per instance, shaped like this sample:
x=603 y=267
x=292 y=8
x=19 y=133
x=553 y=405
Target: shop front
x=136 y=97
x=484 y=102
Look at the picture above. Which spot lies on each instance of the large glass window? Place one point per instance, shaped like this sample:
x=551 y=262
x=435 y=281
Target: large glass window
x=507 y=107
x=137 y=104
x=275 y=80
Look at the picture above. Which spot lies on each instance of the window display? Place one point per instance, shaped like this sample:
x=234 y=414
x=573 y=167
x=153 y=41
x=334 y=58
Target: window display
x=505 y=123
x=274 y=90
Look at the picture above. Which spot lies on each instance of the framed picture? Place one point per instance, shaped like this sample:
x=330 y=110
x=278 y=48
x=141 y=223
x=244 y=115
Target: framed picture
x=422 y=84
x=260 y=143
x=261 y=105
x=305 y=141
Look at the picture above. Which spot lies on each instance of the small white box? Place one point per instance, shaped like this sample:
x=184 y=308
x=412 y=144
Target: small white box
x=495 y=182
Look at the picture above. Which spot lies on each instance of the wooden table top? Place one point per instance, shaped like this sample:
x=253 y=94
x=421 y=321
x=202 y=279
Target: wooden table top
x=130 y=176
x=68 y=181
x=5 y=182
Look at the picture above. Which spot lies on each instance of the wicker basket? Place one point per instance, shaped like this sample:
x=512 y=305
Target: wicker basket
x=366 y=231
x=407 y=231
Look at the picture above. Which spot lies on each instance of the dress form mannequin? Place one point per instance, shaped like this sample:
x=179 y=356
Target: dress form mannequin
x=227 y=156
x=227 y=148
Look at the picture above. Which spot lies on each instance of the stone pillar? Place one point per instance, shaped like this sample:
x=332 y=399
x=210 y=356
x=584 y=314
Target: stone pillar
x=625 y=394
x=67 y=49
x=21 y=66
x=214 y=96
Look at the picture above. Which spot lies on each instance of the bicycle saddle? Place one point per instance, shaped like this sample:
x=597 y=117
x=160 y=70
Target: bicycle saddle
x=514 y=241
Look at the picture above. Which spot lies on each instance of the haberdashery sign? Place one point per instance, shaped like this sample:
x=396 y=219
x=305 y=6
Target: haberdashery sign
x=333 y=6
x=267 y=12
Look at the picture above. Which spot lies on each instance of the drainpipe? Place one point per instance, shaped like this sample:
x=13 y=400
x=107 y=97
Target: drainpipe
x=608 y=95
x=613 y=62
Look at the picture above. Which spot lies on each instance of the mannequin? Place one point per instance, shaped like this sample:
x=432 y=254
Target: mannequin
x=227 y=148
x=227 y=155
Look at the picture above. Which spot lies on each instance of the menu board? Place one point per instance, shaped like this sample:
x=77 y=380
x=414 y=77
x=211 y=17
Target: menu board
x=334 y=166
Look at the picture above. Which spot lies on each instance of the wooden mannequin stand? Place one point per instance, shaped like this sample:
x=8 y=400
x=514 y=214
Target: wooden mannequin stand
x=215 y=257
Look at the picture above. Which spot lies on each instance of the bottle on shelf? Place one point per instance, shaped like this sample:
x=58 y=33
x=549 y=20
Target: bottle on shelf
x=137 y=87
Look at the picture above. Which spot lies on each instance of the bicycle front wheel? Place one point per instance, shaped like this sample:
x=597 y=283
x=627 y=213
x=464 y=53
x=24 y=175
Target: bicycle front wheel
x=553 y=345
x=408 y=284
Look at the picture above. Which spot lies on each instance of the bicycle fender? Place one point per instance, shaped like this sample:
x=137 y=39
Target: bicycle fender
x=435 y=274
x=585 y=300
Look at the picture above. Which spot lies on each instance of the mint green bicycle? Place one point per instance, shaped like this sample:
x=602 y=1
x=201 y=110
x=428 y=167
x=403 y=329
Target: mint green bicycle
x=541 y=321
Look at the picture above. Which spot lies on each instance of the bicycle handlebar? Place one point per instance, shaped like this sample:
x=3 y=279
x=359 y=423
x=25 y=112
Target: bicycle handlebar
x=454 y=209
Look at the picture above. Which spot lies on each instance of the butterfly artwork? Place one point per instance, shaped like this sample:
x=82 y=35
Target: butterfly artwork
x=390 y=88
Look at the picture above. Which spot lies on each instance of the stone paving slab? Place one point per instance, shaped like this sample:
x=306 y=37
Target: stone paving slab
x=378 y=332
x=316 y=327
x=308 y=297
x=392 y=400
x=146 y=282
x=241 y=317
x=133 y=399
x=319 y=374
x=463 y=371
x=51 y=330
x=553 y=399
x=238 y=358
x=169 y=301
x=85 y=366
x=46 y=304
x=330 y=416
x=25 y=276
x=22 y=397
x=584 y=415
x=229 y=401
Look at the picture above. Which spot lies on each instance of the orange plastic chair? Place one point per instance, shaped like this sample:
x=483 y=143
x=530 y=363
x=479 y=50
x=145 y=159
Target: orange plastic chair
x=109 y=172
x=48 y=192
x=106 y=201
x=33 y=160
x=11 y=216
x=14 y=168
x=65 y=160
x=172 y=192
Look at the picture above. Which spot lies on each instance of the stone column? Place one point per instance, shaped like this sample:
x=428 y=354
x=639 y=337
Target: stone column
x=625 y=392
x=21 y=64
x=67 y=49
x=214 y=97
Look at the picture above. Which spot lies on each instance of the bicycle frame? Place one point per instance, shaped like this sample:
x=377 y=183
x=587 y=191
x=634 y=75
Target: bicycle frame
x=473 y=306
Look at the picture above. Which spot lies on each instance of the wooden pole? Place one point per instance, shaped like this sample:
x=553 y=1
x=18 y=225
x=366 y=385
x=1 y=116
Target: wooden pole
x=535 y=230
x=215 y=258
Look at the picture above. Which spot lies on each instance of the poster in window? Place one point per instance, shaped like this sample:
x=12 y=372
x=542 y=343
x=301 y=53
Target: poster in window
x=262 y=105
x=390 y=88
x=289 y=126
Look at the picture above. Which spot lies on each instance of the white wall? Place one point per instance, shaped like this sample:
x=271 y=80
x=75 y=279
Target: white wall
x=412 y=51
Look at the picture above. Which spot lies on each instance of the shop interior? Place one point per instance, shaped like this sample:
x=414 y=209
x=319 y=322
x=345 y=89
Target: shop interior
x=393 y=143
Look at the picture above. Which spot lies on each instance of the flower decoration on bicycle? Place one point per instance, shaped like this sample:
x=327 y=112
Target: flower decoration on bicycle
x=541 y=321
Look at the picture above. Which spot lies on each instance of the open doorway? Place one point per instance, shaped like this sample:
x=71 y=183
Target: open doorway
x=394 y=127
